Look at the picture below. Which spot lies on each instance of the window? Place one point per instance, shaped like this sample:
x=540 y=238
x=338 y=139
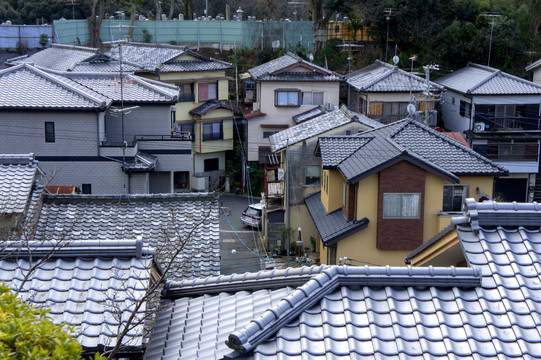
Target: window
x=396 y=205
x=465 y=109
x=49 y=131
x=286 y=98
x=267 y=134
x=186 y=130
x=344 y=195
x=211 y=164
x=454 y=196
x=213 y=131
x=87 y=188
x=312 y=98
x=331 y=255
x=313 y=175
x=207 y=92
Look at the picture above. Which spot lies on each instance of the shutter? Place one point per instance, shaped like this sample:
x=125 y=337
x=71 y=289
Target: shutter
x=375 y=108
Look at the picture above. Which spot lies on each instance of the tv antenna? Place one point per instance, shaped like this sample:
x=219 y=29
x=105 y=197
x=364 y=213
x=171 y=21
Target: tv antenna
x=389 y=12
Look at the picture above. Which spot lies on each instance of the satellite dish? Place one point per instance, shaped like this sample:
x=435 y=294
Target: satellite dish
x=396 y=59
x=411 y=109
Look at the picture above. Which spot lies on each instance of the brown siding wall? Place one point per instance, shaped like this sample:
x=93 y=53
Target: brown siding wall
x=400 y=234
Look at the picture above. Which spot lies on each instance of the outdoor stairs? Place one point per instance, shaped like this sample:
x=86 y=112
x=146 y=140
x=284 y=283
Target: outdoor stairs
x=537 y=190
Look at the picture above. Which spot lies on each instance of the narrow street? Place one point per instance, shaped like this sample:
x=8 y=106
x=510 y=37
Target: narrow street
x=239 y=243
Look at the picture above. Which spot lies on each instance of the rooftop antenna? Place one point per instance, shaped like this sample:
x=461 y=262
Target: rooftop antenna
x=388 y=13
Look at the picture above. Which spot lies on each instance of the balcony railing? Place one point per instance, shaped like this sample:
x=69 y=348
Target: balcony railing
x=180 y=136
x=387 y=119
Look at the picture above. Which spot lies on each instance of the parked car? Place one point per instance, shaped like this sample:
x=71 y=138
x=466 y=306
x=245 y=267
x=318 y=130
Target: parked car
x=252 y=215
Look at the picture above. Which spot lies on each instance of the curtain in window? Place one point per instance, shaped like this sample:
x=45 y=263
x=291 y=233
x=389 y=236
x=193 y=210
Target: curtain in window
x=216 y=130
x=307 y=98
x=202 y=93
x=212 y=92
x=281 y=98
x=410 y=205
x=293 y=98
x=317 y=98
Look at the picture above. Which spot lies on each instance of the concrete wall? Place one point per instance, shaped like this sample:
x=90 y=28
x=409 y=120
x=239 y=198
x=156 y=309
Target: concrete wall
x=24 y=132
x=145 y=120
x=282 y=115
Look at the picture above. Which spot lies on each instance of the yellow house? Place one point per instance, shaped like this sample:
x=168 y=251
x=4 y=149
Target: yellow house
x=385 y=192
x=203 y=109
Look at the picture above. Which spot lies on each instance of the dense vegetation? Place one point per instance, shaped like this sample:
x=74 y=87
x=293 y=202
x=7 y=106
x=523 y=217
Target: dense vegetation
x=446 y=32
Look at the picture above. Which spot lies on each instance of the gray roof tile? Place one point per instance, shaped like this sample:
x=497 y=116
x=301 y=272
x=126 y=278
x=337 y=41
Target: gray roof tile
x=334 y=226
x=156 y=218
x=267 y=71
x=383 y=77
x=80 y=292
x=25 y=86
x=134 y=88
x=18 y=173
x=316 y=126
x=489 y=311
x=309 y=114
x=483 y=80
x=208 y=106
x=401 y=140
x=58 y=57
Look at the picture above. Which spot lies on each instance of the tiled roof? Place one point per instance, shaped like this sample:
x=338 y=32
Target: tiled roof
x=165 y=58
x=164 y=221
x=533 y=65
x=275 y=70
x=106 y=67
x=478 y=79
x=383 y=77
x=334 y=149
x=310 y=128
x=17 y=177
x=309 y=114
x=489 y=311
x=406 y=140
x=89 y=290
x=25 y=86
x=331 y=227
x=58 y=57
x=209 y=106
x=134 y=88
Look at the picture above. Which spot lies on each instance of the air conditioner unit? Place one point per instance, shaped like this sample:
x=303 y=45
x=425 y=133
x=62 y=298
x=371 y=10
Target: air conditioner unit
x=479 y=126
x=329 y=106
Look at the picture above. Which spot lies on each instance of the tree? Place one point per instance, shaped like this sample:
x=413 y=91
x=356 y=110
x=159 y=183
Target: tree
x=27 y=333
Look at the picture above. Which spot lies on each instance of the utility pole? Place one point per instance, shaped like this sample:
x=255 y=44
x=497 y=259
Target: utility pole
x=493 y=16
x=388 y=13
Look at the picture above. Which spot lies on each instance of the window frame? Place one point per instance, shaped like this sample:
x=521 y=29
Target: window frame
x=465 y=109
x=316 y=183
x=50 y=136
x=312 y=97
x=207 y=86
x=287 y=91
x=212 y=135
x=86 y=189
x=465 y=193
x=401 y=215
x=210 y=161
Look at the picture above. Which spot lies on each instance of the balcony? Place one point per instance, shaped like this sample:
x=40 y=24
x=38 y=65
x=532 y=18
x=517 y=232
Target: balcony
x=186 y=98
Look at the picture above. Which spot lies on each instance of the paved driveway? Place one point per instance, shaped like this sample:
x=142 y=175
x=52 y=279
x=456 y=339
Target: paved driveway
x=239 y=244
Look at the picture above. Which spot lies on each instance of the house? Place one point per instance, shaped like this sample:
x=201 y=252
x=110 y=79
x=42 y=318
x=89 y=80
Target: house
x=203 y=107
x=383 y=92
x=282 y=89
x=95 y=131
x=200 y=79
x=386 y=191
x=500 y=116
x=295 y=147
x=56 y=57
x=488 y=310
x=536 y=70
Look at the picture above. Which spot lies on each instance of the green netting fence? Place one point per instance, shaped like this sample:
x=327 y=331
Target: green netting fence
x=220 y=34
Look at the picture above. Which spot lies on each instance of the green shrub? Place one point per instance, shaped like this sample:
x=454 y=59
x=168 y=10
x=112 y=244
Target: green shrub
x=27 y=333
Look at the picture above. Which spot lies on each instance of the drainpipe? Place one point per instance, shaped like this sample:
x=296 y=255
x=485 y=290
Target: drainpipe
x=287 y=197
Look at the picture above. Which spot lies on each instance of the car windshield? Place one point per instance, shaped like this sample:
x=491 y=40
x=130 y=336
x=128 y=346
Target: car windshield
x=253 y=212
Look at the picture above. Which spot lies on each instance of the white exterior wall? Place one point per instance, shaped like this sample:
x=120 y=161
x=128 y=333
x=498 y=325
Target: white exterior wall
x=537 y=76
x=283 y=115
x=450 y=112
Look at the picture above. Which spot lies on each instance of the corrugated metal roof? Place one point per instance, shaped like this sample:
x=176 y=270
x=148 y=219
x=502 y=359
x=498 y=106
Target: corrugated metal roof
x=58 y=57
x=383 y=77
x=478 y=79
x=159 y=219
x=17 y=176
x=490 y=311
x=25 y=86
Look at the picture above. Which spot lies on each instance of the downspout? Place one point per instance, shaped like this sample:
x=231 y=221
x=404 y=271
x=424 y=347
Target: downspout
x=287 y=198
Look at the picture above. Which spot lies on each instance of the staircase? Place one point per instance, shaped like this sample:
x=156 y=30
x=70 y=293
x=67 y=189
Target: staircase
x=537 y=190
